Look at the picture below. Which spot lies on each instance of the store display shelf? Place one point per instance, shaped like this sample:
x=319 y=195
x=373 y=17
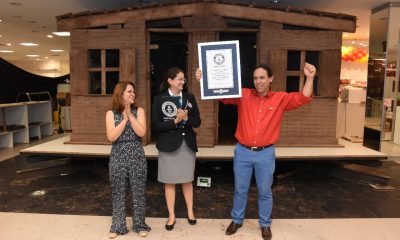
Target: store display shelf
x=37 y=124
x=24 y=121
x=4 y=133
x=17 y=130
x=376 y=128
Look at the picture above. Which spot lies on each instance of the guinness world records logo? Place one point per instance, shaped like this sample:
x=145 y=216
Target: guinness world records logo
x=169 y=109
x=219 y=59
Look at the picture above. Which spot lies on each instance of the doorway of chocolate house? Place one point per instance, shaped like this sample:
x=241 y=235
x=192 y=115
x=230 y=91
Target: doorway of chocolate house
x=227 y=114
x=166 y=50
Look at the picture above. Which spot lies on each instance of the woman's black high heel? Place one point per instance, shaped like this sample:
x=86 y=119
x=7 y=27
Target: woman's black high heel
x=170 y=227
x=192 y=221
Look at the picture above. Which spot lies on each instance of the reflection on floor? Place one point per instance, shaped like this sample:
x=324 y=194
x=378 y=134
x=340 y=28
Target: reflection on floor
x=67 y=198
x=301 y=190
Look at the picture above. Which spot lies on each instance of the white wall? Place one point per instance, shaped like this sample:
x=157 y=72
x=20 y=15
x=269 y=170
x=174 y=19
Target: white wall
x=356 y=71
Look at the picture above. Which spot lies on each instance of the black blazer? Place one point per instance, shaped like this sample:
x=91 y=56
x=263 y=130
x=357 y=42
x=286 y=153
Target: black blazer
x=169 y=135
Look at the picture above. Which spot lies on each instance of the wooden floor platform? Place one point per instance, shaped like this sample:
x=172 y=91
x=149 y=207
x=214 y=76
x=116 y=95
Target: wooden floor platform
x=350 y=151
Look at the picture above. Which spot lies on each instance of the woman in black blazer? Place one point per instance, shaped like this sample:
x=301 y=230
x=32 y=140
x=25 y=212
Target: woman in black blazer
x=174 y=115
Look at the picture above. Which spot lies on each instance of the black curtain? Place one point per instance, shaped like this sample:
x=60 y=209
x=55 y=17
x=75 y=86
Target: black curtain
x=14 y=80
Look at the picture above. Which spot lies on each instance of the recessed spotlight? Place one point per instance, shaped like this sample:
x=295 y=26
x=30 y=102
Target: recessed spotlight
x=57 y=50
x=32 y=55
x=6 y=51
x=38 y=193
x=8 y=44
x=50 y=36
x=16 y=3
x=62 y=34
x=1 y=35
x=1 y=20
x=29 y=44
x=275 y=1
x=46 y=57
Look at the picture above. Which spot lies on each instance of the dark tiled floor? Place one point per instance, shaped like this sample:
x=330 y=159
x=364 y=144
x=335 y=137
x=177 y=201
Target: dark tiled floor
x=310 y=190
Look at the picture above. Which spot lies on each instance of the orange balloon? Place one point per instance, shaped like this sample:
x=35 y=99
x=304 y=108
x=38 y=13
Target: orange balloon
x=364 y=51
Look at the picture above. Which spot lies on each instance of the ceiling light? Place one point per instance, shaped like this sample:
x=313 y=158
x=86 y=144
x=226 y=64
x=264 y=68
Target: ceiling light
x=1 y=35
x=1 y=20
x=46 y=57
x=6 y=51
x=38 y=193
x=57 y=50
x=32 y=55
x=62 y=34
x=50 y=36
x=275 y=1
x=8 y=44
x=29 y=44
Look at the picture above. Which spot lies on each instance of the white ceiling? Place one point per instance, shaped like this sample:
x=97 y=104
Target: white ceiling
x=33 y=20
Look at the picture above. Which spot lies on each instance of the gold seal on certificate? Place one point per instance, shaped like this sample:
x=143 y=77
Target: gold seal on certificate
x=220 y=64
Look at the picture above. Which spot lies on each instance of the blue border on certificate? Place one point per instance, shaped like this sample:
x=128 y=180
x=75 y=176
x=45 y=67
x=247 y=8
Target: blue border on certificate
x=235 y=91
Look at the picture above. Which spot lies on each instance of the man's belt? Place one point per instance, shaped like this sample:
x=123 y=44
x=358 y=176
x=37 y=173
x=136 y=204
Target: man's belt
x=256 y=149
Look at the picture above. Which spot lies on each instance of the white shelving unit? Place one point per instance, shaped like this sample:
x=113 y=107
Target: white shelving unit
x=34 y=118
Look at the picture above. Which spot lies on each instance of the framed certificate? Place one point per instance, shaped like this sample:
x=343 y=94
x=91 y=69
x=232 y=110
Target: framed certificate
x=220 y=66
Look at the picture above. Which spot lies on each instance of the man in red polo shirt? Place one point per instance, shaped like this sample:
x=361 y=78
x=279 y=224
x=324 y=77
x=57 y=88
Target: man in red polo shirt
x=260 y=113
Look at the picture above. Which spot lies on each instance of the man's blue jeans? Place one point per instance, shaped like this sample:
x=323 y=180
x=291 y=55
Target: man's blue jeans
x=263 y=163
